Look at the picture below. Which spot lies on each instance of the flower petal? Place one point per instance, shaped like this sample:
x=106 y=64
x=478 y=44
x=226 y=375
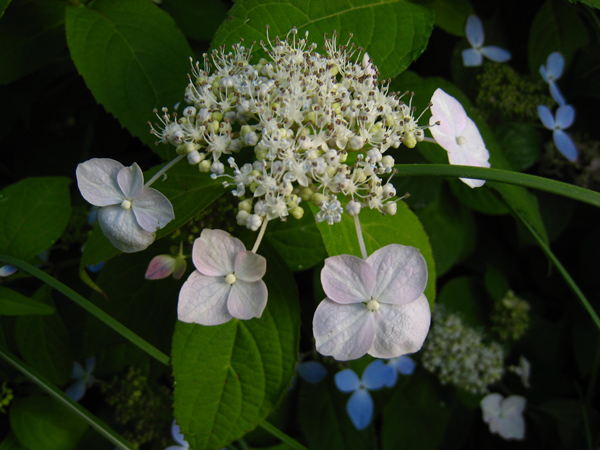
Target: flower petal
x=546 y=117
x=565 y=116
x=360 y=408
x=452 y=119
x=565 y=145
x=509 y=427
x=400 y=329
x=90 y=364
x=7 y=270
x=177 y=435
x=215 y=251
x=490 y=406
x=405 y=365
x=97 y=181
x=347 y=380
x=161 y=266
x=556 y=94
x=131 y=181
x=343 y=331
x=247 y=299
x=472 y=57
x=474 y=31
x=400 y=274
x=376 y=375
x=347 y=279
x=203 y=300
x=496 y=54
x=311 y=371
x=555 y=65
x=76 y=391
x=513 y=405
x=249 y=266
x=180 y=267
x=152 y=209
x=122 y=230
x=78 y=371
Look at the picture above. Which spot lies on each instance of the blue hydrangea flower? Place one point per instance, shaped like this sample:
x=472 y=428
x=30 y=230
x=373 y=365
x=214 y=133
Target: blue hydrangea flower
x=565 y=115
x=475 y=35
x=360 y=405
x=83 y=379
x=404 y=365
x=311 y=371
x=7 y=270
x=551 y=72
x=177 y=437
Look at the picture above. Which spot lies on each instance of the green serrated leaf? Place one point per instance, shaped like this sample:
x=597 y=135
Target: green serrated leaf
x=522 y=143
x=33 y=214
x=42 y=423
x=378 y=231
x=451 y=15
x=14 y=304
x=44 y=343
x=132 y=57
x=330 y=428
x=229 y=377
x=414 y=417
x=188 y=191
x=394 y=32
x=298 y=241
x=552 y=30
x=32 y=36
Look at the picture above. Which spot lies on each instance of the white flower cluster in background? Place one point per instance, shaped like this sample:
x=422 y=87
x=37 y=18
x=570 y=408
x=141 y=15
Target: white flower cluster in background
x=458 y=355
x=318 y=125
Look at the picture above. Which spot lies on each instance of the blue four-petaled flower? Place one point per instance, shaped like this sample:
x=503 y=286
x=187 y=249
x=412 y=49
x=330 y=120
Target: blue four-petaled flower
x=360 y=405
x=403 y=365
x=551 y=72
x=83 y=379
x=563 y=119
x=475 y=35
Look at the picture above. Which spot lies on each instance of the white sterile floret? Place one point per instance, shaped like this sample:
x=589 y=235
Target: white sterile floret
x=457 y=134
x=298 y=112
x=227 y=282
x=129 y=214
x=505 y=415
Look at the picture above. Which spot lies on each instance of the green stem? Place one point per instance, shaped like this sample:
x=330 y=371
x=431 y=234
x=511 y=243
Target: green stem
x=562 y=270
x=163 y=170
x=503 y=176
x=361 y=241
x=61 y=397
x=89 y=307
x=282 y=436
x=261 y=233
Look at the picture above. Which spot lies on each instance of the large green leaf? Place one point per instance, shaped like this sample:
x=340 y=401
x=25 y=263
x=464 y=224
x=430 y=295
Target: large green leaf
x=44 y=342
x=33 y=215
x=378 y=231
x=325 y=422
x=132 y=57
x=197 y=20
x=11 y=442
x=298 y=241
x=42 y=423
x=451 y=15
x=32 y=35
x=394 y=32
x=189 y=192
x=14 y=304
x=229 y=377
x=556 y=28
x=414 y=417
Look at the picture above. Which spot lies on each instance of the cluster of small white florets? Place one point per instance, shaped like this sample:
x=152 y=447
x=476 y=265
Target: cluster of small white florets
x=319 y=125
x=458 y=355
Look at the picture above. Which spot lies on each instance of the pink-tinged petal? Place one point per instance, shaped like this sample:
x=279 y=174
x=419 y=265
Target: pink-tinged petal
x=472 y=57
x=250 y=266
x=152 y=209
x=214 y=253
x=160 y=266
x=247 y=300
x=400 y=329
x=490 y=406
x=203 y=300
x=97 y=181
x=474 y=31
x=496 y=54
x=449 y=112
x=400 y=274
x=180 y=267
x=347 y=279
x=131 y=181
x=122 y=230
x=343 y=331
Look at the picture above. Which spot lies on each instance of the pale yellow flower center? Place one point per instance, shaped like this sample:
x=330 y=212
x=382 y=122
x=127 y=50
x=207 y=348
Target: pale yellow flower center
x=126 y=204
x=461 y=140
x=373 y=305
x=230 y=279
